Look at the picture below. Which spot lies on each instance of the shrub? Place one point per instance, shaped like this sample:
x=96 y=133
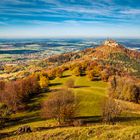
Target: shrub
x=69 y=83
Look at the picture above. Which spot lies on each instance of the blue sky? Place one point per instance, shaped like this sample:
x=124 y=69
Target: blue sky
x=69 y=18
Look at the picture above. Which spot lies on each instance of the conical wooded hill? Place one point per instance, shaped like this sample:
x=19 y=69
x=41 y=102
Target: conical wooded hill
x=109 y=47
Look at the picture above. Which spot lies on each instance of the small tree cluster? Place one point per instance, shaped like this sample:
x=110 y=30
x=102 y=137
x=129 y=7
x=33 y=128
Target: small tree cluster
x=55 y=72
x=14 y=94
x=125 y=88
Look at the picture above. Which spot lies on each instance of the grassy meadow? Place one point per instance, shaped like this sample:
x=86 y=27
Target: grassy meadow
x=91 y=93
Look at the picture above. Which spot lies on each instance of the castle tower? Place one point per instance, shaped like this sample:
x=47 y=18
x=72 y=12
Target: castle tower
x=111 y=43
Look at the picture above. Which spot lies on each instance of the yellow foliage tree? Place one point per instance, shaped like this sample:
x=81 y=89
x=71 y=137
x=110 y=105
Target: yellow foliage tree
x=44 y=82
x=77 y=71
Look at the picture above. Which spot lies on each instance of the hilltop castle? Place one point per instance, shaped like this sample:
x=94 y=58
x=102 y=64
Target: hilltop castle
x=111 y=43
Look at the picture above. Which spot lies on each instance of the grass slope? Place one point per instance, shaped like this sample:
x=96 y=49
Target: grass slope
x=91 y=94
x=100 y=132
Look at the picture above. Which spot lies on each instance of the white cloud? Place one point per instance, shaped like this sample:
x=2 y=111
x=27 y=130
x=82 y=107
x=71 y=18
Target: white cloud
x=131 y=12
x=85 y=10
x=14 y=2
x=3 y=23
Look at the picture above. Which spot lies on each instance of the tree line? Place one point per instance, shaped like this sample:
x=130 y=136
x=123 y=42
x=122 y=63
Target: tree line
x=125 y=88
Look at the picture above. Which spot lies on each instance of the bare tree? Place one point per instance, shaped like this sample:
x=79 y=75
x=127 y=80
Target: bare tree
x=60 y=105
x=110 y=110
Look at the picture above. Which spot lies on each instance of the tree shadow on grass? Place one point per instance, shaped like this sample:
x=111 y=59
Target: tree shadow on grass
x=55 y=84
x=127 y=119
x=89 y=119
x=32 y=113
x=19 y=121
x=86 y=121
x=34 y=104
x=23 y=120
x=83 y=74
x=98 y=119
x=81 y=86
x=65 y=76
x=33 y=118
x=14 y=133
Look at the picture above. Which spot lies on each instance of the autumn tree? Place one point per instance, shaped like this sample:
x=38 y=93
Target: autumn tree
x=77 y=71
x=110 y=110
x=90 y=74
x=11 y=96
x=93 y=75
x=84 y=65
x=105 y=75
x=51 y=74
x=44 y=73
x=44 y=82
x=113 y=82
x=61 y=105
x=59 y=72
x=92 y=65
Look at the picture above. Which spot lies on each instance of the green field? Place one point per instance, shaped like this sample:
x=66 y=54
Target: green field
x=91 y=93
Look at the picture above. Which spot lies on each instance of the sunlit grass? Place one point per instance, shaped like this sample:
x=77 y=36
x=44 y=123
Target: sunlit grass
x=100 y=132
x=91 y=93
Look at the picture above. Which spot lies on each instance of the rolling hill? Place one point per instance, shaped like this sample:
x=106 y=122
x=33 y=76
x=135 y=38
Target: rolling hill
x=91 y=94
